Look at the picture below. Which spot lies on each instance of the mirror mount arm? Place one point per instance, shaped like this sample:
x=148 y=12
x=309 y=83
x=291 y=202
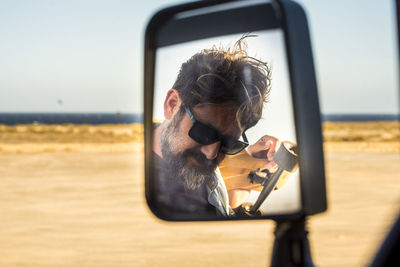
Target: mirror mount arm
x=291 y=246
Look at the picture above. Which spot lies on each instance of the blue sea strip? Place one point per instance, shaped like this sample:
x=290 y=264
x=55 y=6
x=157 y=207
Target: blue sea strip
x=128 y=118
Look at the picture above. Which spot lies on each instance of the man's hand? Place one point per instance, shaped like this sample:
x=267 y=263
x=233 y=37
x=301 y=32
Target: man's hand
x=265 y=148
x=237 y=197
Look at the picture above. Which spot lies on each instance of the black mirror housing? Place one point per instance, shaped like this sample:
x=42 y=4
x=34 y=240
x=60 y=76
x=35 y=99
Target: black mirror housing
x=199 y=20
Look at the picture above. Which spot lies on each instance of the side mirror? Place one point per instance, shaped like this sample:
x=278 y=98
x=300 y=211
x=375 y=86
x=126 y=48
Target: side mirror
x=184 y=128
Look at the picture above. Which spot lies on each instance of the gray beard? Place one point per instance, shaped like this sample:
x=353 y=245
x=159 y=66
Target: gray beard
x=191 y=176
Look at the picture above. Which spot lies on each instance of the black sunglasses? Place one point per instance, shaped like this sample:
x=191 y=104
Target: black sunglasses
x=206 y=135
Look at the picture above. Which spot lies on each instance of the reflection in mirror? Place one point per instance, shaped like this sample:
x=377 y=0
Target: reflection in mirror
x=224 y=139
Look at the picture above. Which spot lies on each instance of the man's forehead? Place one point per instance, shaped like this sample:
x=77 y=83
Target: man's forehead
x=221 y=117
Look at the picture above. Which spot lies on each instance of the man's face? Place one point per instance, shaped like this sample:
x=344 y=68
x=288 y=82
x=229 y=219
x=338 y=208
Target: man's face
x=192 y=162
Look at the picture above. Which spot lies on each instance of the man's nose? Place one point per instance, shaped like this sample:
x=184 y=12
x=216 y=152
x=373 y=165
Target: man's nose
x=211 y=150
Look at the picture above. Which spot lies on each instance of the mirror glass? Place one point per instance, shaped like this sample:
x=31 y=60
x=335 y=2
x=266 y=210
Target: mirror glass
x=224 y=137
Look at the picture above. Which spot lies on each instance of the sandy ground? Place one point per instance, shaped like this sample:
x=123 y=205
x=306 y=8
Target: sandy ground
x=88 y=209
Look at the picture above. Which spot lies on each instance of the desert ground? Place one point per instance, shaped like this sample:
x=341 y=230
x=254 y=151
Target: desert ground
x=74 y=196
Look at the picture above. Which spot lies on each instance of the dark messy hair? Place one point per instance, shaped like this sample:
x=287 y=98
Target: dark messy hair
x=226 y=77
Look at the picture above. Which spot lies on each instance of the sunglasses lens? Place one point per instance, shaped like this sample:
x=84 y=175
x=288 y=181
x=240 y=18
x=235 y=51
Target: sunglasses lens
x=206 y=135
x=232 y=146
x=203 y=134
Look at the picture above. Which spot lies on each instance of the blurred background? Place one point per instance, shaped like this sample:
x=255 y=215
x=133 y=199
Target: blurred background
x=71 y=140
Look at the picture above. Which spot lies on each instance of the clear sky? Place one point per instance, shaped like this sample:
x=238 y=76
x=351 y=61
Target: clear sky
x=86 y=56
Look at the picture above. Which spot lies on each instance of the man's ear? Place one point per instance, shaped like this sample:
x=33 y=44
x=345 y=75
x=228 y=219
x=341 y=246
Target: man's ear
x=172 y=104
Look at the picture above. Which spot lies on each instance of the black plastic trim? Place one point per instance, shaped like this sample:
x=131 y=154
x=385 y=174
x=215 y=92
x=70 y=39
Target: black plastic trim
x=252 y=18
x=166 y=28
x=306 y=108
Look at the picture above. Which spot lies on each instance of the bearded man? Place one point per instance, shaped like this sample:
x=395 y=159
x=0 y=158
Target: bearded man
x=218 y=95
